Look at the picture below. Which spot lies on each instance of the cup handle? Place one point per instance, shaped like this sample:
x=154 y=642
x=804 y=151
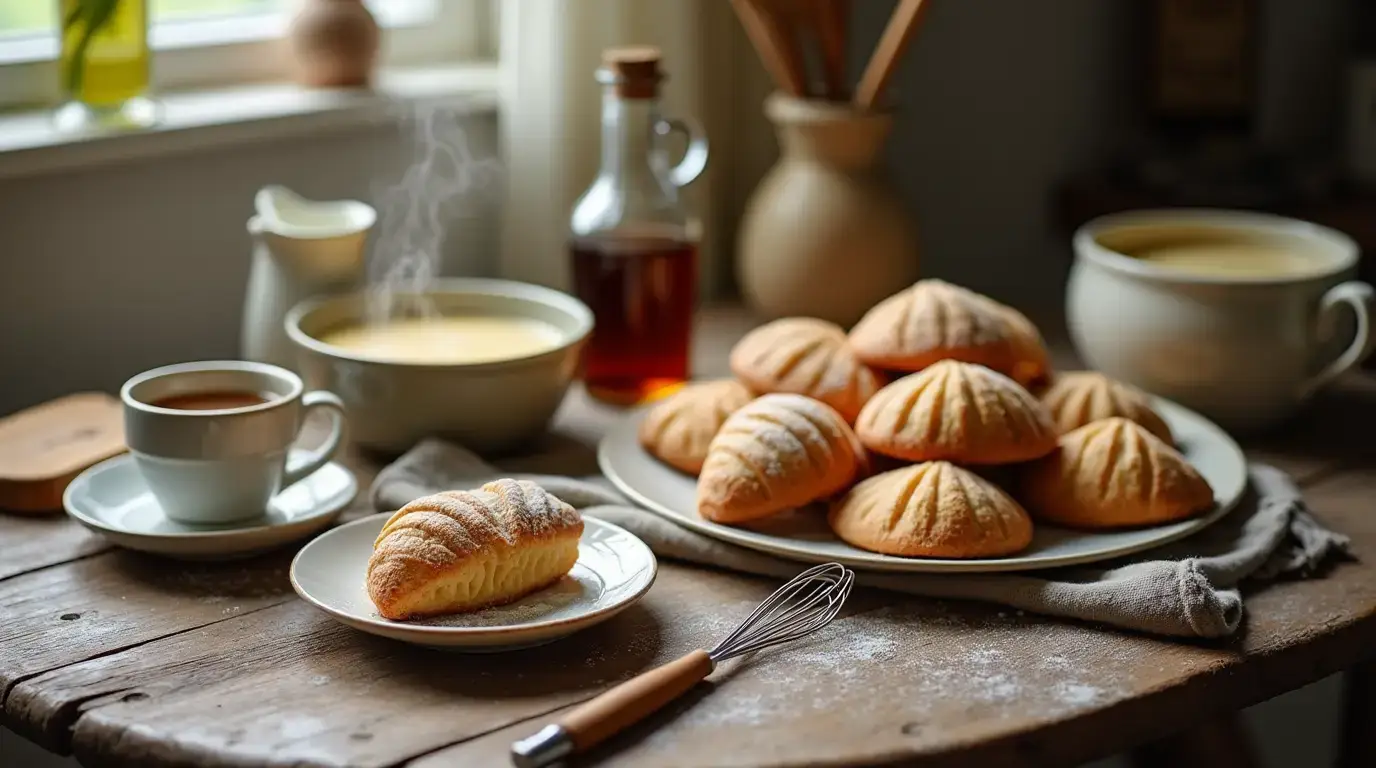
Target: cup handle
x=299 y=470
x=695 y=158
x=1358 y=296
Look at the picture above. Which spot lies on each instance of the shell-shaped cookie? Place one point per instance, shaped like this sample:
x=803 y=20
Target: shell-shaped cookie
x=935 y=320
x=805 y=356
x=933 y=509
x=958 y=412
x=1031 y=365
x=777 y=452
x=1114 y=474
x=1078 y=398
x=678 y=430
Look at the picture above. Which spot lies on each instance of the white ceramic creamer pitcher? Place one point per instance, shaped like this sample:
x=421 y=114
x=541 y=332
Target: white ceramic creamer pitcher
x=301 y=248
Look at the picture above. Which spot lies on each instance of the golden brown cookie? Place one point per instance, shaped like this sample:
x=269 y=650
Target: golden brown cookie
x=1114 y=474
x=776 y=453
x=805 y=356
x=1080 y=397
x=956 y=412
x=935 y=320
x=934 y=509
x=1032 y=363
x=678 y=430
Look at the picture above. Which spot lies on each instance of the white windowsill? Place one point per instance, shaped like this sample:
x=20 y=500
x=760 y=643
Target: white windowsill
x=29 y=144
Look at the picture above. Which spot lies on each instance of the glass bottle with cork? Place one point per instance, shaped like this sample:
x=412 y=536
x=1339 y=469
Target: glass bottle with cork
x=633 y=254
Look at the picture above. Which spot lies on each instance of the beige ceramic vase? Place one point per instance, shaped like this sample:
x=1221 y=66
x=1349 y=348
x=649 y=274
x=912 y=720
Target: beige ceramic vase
x=334 y=44
x=825 y=235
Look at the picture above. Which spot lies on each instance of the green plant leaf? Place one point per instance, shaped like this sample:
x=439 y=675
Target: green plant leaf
x=97 y=14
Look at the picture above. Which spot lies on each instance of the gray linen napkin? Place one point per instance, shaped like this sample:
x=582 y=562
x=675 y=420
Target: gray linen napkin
x=1186 y=589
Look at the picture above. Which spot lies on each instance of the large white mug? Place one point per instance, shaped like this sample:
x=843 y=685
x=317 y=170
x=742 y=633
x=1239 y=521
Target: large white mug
x=212 y=439
x=1244 y=349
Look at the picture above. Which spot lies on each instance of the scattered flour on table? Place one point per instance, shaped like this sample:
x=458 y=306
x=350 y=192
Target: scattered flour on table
x=925 y=663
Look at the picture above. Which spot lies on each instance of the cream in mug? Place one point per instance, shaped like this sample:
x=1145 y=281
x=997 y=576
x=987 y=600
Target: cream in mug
x=1218 y=252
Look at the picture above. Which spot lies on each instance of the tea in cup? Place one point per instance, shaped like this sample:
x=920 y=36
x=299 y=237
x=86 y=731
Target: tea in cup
x=212 y=439
x=1237 y=315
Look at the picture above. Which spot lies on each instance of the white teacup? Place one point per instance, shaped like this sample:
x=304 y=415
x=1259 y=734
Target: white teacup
x=1234 y=314
x=211 y=439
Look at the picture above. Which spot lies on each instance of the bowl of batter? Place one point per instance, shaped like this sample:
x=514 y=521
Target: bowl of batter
x=482 y=362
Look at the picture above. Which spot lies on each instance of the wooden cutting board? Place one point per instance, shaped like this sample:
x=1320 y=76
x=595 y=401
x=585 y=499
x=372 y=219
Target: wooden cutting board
x=45 y=447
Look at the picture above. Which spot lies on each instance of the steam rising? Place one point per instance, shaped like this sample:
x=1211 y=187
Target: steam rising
x=411 y=228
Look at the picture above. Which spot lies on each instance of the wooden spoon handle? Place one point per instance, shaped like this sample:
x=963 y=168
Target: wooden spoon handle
x=776 y=47
x=830 y=18
x=904 y=22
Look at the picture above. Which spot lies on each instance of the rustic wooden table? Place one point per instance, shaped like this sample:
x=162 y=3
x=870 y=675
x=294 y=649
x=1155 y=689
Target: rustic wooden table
x=125 y=659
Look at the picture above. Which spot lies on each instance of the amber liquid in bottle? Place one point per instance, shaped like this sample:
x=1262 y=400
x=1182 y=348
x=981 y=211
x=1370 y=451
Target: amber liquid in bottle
x=642 y=290
x=633 y=260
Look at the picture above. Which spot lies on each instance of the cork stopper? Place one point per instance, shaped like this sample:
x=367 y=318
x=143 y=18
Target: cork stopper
x=633 y=71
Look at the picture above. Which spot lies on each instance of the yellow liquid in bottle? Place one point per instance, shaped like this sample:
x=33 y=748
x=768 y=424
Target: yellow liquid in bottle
x=110 y=65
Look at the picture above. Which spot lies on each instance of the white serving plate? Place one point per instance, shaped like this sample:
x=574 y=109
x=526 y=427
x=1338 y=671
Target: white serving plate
x=803 y=534
x=614 y=569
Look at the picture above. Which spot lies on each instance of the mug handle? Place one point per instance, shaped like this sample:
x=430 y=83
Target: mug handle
x=695 y=158
x=299 y=470
x=1358 y=296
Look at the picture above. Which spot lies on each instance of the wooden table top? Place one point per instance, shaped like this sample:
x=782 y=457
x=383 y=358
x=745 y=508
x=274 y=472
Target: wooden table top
x=125 y=659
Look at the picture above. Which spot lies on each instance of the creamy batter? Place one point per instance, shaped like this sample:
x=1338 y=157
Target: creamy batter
x=448 y=340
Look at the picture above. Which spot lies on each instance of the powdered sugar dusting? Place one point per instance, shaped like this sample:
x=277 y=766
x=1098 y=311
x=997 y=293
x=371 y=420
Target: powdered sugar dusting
x=932 y=665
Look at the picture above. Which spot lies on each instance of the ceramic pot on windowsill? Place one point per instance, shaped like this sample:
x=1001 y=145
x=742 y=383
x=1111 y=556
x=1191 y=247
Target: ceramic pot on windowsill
x=334 y=44
x=825 y=234
x=104 y=65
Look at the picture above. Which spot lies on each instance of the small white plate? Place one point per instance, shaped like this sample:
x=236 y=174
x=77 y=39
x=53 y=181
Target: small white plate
x=614 y=569
x=803 y=535
x=112 y=499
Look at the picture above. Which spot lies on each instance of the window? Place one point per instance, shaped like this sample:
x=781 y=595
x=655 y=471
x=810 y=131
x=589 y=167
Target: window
x=217 y=42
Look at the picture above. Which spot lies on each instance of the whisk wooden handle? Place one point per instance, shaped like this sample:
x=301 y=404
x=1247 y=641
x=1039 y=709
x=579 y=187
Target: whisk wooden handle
x=634 y=699
x=616 y=709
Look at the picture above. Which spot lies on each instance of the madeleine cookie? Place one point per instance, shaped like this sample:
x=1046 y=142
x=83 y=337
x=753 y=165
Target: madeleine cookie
x=1031 y=365
x=934 y=509
x=464 y=550
x=805 y=356
x=678 y=430
x=1114 y=474
x=934 y=320
x=956 y=412
x=1078 y=398
x=776 y=453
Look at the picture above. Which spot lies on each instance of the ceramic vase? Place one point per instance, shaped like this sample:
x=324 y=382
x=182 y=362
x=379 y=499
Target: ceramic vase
x=334 y=44
x=825 y=234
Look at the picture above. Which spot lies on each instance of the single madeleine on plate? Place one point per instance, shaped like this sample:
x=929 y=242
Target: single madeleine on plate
x=805 y=356
x=461 y=551
x=1080 y=397
x=934 y=509
x=1114 y=474
x=935 y=320
x=776 y=453
x=678 y=430
x=958 y=412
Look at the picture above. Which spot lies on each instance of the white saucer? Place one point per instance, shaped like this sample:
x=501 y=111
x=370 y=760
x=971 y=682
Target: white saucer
x=112 y=500
x=614 y=569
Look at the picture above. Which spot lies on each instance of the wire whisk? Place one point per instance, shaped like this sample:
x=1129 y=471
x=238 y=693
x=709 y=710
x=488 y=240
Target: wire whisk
x=803 y=605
